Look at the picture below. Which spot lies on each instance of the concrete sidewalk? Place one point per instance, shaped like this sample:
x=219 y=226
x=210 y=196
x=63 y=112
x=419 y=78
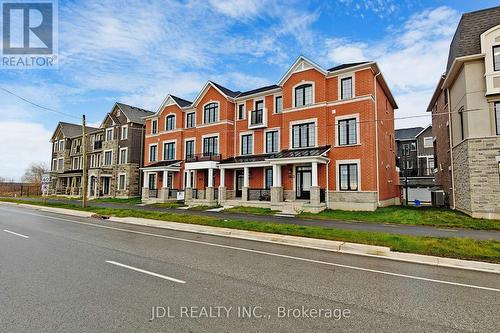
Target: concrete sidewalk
x=391 y=228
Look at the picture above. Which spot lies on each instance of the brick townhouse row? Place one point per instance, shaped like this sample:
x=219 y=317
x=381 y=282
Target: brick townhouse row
x=318 y=138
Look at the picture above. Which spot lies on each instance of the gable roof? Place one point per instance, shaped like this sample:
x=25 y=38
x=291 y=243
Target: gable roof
x=348 y=65
x=301 y=59
x=423 y=130
x=466 y=40
x=181 y=102
x=258 y=90
x=133 y=114
x=70 y=130
x=407 y=133
x=226 y=91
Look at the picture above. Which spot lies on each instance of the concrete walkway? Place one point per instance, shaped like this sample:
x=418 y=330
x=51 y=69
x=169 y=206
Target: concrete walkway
x=400 y=229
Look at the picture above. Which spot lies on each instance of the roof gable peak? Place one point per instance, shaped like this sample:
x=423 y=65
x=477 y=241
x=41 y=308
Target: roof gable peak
x=301 y=64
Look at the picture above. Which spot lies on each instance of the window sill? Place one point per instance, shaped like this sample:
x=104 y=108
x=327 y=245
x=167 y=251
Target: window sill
x=346 y=146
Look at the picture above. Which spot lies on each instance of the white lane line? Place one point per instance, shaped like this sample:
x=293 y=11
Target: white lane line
x=273 y=254
x=15 y=233
x=145 y=272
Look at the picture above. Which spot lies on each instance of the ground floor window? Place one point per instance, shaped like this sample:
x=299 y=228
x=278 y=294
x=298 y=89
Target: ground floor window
x=269 y=178
x=348 y=177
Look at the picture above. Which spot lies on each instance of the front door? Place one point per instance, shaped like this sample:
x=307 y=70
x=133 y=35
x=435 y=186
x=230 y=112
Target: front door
x=303 y=182
x=239 y=183
x=152 y=181
x=106 y=185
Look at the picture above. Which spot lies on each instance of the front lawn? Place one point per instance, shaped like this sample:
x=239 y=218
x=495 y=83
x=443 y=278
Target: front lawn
x=170 y=204
x=130 y=201
x=251 y=210
x=431 y=216
x=462 y=248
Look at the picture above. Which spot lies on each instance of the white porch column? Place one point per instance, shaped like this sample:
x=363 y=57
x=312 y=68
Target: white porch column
x=314 y=177
x=165 y=178
x=222 y=182
x=188 y=179
x=210 y=177
x=276 y=175
x=246 y=175
x=146 y=179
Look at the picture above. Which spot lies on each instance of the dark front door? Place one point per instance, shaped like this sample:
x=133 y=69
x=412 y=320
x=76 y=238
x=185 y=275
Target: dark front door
x=303 y=182
x=152 y=181
x=239 y=183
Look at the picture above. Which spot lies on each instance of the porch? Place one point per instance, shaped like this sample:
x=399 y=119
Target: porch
x=161 y=182
x=67 y=184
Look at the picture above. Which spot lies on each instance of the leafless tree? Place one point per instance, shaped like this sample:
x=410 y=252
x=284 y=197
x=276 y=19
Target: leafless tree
x=34 y=172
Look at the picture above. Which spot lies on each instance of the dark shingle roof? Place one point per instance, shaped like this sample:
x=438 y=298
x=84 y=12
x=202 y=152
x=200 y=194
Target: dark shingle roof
x=247 y=159
x=408 y=133
x=226 y=91
x=73 y=130
x=343 y=66
x=163 y=164
x=258 y=90
x=306 y=152
x=466 y=40
x=134 y=114
x=182 y=102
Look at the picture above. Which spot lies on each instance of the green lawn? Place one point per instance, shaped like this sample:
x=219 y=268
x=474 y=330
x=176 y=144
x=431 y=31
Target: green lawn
x=438 y=217
x=131 y=201
x=462 y=248
x=170 y=204
x=251 y=210
x=203 y=207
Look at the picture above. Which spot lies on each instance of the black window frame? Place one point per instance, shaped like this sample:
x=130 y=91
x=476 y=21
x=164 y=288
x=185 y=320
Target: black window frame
x=189 y=152
x=210 y=142
x=171 y=152
x=170 y=122
x=350 y=125
x=307 y=128
x=190 y=120
x=155 y=155
x=276 y=110
x=211 y=113
x=342 y=87
x=268 y=183
x=462 y=129
x=302 y=89
x=241 y=111
x=495 y=68
x=274 y=139
x=246 y=143
x=154 y=126
x=348 y=165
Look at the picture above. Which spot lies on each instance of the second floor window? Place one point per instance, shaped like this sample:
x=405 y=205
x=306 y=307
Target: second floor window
x=406 y=149
x=154 y=126
x=190 y=120
x=189 y=149
x=246 y=144
x=278 y=104
x=346 y=88
x=428 y=142
x=169 y=151
x=108 y=157
x=347 y=132
x=170 y=123
x=109 y=134
x=303 y=95
x=60 y=165
x=211 y=113
x=123 y=156
x=124 y=132
x=272 y=142
x=210 y=146
x=153 y=153
x=496 y=58
x=241 y=111
x=303 y=135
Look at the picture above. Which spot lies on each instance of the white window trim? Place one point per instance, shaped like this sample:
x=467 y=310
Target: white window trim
x=303 y=121
x=186 y=123
x=165 y=125
x=104 y=157
x=265 y=138
x=185 y=146
x=244 y=111
x=157 y=129
x=124 y=183
x=337 y=173
x=149 y=152
x=240 y=150
x=111 y=129
x=58 y=160
x=339 y=84
x=121 y=132
x=274 y=102
x=336 y=134
x=313 y=87
x=55 y=165
x=203 y=112
x=209 y=136
x=428 y=146
x=61 y=145
x=163 y=149
x=120 y=156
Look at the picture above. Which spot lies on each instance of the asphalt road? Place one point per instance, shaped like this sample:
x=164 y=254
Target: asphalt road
x=69 y=274
x=392 y=228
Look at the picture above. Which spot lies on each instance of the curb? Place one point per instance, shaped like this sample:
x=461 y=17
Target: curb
x=304 y=242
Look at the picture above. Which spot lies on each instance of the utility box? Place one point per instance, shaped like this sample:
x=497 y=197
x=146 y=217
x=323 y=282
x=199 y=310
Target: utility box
x=437 y=198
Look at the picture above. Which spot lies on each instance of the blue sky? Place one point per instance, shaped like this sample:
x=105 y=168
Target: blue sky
x=138 y=51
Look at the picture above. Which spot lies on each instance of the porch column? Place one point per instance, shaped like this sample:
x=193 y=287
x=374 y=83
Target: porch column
x=315 y=190
x=165 y=179
x=210 y=177
x=222 y=186
x=276 y=189
x=246 y=182
x=188 y=191
x=145 y=192
x=164 y=191
x=209 y=190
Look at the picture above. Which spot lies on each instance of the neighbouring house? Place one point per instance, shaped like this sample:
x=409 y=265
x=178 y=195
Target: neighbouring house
x=465 y=111
x=67 y=157
x=318 y=138
x=115 y=154
x=415 y=152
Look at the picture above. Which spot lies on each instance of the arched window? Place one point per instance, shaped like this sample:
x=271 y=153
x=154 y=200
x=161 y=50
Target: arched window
x=211 y=113
x=303 y=95
x=170 y=123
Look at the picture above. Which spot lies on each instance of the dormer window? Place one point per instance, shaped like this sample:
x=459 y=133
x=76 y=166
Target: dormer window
x=211 y=113
x=496 y=58
x=303 y=95
x=170 y=123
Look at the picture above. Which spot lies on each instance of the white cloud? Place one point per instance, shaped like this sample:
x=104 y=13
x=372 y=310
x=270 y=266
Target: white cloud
x=22 y=144
x=239 y=9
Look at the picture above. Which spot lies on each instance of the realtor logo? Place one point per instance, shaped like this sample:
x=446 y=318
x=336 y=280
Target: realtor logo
x=29 y=34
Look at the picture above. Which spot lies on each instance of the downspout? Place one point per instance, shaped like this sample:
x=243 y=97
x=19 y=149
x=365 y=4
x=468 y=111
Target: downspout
x=451 y=146
x=141 y=164
x=376 y=137
x=327 y=196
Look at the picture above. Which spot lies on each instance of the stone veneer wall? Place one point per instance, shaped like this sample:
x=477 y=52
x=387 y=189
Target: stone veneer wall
x=476 y=176
x=353 y=200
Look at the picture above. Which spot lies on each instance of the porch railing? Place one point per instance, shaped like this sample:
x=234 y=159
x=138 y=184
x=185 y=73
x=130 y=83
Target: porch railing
x=197 y=194
x=260 y=194
x=172 y=192
x=153 y=193
x=203 y=157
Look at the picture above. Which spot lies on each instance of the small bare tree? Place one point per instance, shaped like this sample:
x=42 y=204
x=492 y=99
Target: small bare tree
x=34 y=173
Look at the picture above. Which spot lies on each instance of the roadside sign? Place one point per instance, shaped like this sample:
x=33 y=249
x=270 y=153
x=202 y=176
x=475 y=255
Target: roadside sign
x=180 y=195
